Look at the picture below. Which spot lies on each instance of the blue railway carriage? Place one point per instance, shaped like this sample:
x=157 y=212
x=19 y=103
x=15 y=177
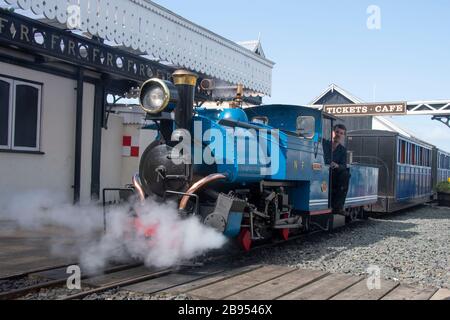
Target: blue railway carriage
x=405 y=176
x=441 y=166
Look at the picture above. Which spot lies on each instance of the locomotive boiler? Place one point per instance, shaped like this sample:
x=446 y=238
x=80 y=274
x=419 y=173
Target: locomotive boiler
x=252 y=174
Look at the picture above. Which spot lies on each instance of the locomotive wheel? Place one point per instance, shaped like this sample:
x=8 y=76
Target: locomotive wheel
x=355 y=214
x=285 y=232
x=245 y=239
x=364 y=214
x=148 y=231
x=352 y=214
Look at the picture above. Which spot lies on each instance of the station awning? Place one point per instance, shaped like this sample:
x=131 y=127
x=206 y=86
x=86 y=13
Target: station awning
x=146 y=27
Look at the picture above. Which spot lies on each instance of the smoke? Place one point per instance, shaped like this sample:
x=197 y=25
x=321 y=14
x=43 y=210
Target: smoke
x=159 y=238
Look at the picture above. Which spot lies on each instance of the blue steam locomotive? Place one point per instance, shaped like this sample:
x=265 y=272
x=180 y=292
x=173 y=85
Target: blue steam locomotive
x=250 y=173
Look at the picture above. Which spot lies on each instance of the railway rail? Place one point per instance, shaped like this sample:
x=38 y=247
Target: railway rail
x=210 y=272
x=33 y=271
x=48 y=283
x=116 y=280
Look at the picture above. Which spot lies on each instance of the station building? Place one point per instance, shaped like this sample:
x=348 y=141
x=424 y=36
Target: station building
x=336 y=95
x=58 y=129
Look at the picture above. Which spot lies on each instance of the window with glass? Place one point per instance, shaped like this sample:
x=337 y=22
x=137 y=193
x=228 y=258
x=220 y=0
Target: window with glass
x=261 y=120
x=20 y=113
x=326 y=140
x=306 y=126
x=402 y=157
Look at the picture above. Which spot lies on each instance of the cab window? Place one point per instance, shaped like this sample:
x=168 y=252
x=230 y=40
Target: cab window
x=326 y=140
x=306 y=126
x=261 y=120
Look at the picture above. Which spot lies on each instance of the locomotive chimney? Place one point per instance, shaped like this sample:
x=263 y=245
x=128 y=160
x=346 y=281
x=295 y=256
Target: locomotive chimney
x=237 y=102
x=185 y=81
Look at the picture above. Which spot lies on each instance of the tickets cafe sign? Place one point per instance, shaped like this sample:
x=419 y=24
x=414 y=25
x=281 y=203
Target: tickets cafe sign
x=367 y=109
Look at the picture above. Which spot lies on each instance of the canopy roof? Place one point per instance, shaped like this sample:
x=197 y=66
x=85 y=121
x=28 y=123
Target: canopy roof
x=152 y=30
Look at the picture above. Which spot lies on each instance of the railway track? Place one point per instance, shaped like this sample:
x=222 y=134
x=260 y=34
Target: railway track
x=47 y=283
x=119 y=276
x=119 y=284
x=33 y=271
x=113 y=278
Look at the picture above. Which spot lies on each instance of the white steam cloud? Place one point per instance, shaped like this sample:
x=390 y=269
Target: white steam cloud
x=173 y=239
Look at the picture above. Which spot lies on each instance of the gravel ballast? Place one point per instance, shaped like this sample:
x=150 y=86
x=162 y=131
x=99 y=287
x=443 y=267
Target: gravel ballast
x=118 y=294
x=16 y=284
x=412 y=247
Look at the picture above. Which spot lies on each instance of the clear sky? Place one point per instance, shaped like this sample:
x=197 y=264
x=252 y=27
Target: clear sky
x=316 y=43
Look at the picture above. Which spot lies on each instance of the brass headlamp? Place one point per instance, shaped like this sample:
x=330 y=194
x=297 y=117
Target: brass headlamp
x=156 y=94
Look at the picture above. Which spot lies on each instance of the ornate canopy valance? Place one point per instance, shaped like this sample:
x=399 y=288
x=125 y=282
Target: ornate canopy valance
x=153 y=30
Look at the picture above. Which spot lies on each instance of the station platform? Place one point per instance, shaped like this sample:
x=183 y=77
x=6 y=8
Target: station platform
x=273 y=282
x=23 y=250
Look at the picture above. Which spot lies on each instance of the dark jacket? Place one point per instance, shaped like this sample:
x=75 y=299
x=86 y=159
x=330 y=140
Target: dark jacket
x=339 y=155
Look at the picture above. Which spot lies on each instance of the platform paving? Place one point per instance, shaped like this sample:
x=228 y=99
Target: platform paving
x=24 y=250
x=272 y=282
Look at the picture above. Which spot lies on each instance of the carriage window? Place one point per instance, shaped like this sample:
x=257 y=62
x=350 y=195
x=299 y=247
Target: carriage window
x=306 y=126
x=428 y=158
x=402 y=152
x=421 y=162
x=408 y=153
x=261 y=120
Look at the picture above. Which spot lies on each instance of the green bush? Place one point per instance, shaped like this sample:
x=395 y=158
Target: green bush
x=443 y=187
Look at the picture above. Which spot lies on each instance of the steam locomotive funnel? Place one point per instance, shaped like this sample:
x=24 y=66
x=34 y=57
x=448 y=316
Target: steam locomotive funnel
x=185 y=81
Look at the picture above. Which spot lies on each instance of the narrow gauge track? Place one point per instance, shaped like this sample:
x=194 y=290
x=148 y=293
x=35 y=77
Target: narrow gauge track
x=157 y=274
x=131 y=279
x=161 y=273
x=33 y=271
x=49 y=284
x=60 y=283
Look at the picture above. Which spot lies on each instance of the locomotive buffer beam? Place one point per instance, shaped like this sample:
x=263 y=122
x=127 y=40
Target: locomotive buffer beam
x=291 y=223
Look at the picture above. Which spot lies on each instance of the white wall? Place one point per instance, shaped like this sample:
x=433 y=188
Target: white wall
x=130 y=165
x=378 y=125
x=146 y=137
x=383 y=123
x=54 y=170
